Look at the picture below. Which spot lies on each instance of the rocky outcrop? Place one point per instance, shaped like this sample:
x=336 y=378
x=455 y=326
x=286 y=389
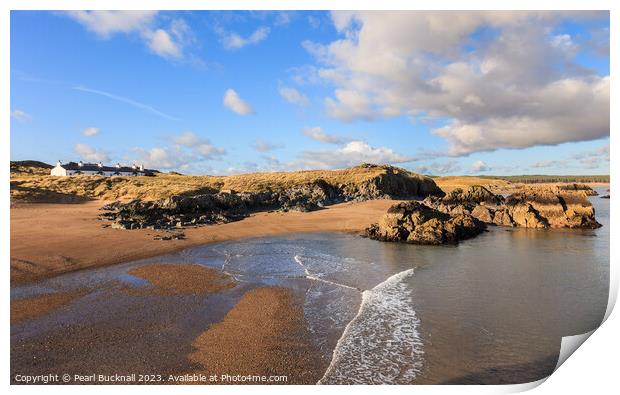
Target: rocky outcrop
x=415 y=223
x=578 y=187
x=560 y=208
x=534 y=207
x=213 y=208
x=392 y=183
x=226 y=206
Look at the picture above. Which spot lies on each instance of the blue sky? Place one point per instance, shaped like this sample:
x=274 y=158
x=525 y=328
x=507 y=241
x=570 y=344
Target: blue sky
x=228 y=92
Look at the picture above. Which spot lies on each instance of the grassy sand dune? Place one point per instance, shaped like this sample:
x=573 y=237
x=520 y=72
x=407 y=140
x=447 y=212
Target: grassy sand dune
x=449 y=183
x=32 y=185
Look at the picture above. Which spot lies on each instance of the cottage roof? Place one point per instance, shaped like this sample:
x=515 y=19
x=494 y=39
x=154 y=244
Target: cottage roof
x=95 y=167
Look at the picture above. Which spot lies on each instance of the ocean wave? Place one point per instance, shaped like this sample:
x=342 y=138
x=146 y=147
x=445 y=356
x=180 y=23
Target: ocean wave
x=381 y=344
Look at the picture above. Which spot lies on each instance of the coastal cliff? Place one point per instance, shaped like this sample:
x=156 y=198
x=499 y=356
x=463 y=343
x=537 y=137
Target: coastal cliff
x=464 y=213
x=532 y=207
x=221 y=206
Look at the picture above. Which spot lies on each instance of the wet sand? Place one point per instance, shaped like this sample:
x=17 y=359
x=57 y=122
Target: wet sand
x=33 y=307
x=184 y=329
x=50 y=239
x=183 y=279
x=264 y=334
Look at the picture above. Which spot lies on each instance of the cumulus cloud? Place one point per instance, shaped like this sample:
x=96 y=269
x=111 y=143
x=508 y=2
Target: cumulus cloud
x=198 y=145
x=519 y=87
x=352 y=153
x=107 y=23
x=232 y=40
x=439 y=167
x=186 y=151
x=20 y=115
x=162 y=158
x=479 y=167
x=235 y=103
x=317 y=133
x=167 y=42
x=265 y=146
x=293 y=96
x=162 y=44
x=89 y=132
x=90 y=154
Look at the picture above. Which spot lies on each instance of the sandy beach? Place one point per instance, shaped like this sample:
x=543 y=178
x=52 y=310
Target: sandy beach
x=264 y=334
x=51 y=239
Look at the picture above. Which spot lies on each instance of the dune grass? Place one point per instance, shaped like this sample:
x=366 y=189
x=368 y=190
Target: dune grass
x=34 y=186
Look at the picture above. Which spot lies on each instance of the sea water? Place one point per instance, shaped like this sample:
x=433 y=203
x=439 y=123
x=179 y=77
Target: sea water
x=489 y=310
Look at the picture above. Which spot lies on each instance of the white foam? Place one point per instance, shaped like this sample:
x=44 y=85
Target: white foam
x=316 y=278
x=381 y=344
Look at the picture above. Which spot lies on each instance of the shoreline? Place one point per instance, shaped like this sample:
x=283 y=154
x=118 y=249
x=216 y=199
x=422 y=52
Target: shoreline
x=49 y=239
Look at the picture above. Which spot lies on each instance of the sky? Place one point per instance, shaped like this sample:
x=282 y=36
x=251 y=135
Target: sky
x=227 y=92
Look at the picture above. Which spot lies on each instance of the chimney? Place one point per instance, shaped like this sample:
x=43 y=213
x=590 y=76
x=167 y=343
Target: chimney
x=141 y=167
x=80 y=164
x=59 y=163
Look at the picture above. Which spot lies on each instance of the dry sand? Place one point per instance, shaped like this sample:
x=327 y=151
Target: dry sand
x=33 y=307
x=264 y=334
x=50 y=239
x=184 y=279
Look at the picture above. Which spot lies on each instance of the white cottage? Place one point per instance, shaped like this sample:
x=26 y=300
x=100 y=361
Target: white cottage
x=80 y=168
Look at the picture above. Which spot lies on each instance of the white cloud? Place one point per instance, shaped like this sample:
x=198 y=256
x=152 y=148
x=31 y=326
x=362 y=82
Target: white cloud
x=292 y=95
x=188 y=152
x=565 y=110
x=593 y=159
x=283 y=18
x=162 y=44
x=187 y=139
x=107 y=23
x=89 y=132
x=233 y=102
x=519 y=88
x=166 y=42
x=349 y=105
x=232 y=40
x=439 y=168
x=162 y=158
x=198 y=146
x=479 y=167
x=317 y=133
x=20 y=115
x=589 y=159
x=90 y=154
x=264 y=146
x=543 y=164
x=352 y=154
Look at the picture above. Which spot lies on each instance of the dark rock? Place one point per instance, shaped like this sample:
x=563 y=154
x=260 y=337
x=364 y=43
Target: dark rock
x=534 y=207
x=556 y=207
x=225 y=206
x=416 y=223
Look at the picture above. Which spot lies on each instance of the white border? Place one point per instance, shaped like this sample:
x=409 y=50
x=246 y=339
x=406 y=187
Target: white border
x=594 y=366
